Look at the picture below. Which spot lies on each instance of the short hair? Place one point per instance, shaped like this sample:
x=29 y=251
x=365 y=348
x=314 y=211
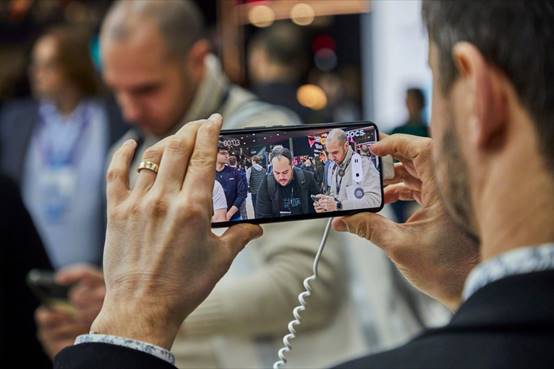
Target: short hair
x=283 y=43
x=336 y=134
x=180 y=21
x=281 y=151
x=256 y=159
x=222 y=147
x=417 y=94
x=74 y=58
x=516 y=36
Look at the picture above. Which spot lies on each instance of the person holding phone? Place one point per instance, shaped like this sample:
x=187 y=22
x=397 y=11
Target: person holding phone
x=355 y=182
x=287 y=190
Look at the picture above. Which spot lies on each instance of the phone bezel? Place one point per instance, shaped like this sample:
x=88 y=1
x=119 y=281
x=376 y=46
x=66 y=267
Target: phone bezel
x=306 y=216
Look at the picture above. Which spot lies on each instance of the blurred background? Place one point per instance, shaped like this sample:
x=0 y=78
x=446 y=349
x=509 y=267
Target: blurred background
x=333 y=77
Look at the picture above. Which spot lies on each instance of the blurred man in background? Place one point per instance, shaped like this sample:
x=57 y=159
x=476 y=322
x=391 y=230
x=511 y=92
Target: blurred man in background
x=159 y=65
x=55 y=147
x=276 y=61
x=417 y=126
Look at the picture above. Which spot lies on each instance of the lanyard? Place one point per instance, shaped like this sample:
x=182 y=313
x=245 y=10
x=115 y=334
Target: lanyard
x=48 y=154
x=340 y=173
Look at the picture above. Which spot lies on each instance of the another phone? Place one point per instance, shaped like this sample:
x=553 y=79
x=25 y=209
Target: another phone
x=50 y=293
x=299 y=172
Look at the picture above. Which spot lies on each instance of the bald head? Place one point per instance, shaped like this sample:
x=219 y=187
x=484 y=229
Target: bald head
x=338 y=135
x=336 y=145
x=179 y=22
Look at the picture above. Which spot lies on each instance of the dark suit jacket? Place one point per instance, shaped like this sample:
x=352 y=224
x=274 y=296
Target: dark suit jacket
x=22 y=251
x=506 y=324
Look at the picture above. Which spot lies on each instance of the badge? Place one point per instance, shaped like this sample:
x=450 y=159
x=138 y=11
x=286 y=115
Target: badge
x=58 y=187
x=359 y=193
x=341 y=172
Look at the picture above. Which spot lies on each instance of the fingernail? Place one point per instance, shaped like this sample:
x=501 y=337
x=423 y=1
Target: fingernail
x=216 y=117
x=130 y=142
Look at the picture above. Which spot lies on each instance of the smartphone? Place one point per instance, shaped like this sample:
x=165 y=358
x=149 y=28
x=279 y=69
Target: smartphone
x=286 y=173
x=49 y=292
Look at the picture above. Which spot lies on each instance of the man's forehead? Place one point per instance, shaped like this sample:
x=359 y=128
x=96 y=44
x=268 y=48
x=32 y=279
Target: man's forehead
x=139 y=56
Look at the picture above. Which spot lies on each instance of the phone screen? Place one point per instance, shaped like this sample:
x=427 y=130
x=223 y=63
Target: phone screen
x=296 y=172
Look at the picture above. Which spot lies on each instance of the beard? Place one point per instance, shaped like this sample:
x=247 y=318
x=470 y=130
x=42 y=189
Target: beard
x=455 y=194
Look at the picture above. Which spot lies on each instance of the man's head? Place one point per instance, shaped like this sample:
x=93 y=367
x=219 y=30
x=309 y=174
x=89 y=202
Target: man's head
x=277 y=54
x=281 y=165
x=153 y=59
x=336 y=145
x=256 y=159
x=60 y=63
x=415 y=102
x=222 y=154
x=493 y=102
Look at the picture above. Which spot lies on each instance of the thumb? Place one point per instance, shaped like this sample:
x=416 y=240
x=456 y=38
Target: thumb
x=79 y=273
x=237 y=236
x=375 y=228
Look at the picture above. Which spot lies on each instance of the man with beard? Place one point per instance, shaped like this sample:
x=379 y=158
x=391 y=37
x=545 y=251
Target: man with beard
x=482 y=242
x=287 y=190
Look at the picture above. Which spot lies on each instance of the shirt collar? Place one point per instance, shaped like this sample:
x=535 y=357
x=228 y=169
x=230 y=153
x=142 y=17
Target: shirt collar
x=519 y=261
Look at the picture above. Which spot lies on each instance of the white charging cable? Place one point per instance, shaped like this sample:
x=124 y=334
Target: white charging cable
x=302 y=299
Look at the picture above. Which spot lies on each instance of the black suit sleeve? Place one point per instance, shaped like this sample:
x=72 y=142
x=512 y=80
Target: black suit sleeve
x=264 y=208
x=106 y=356
x=22 y=250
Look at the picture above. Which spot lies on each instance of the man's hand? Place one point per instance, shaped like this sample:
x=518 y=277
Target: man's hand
x=231 y=212
x=325 y=204
x=429 y=249
x=161 y=259
x=58 y=328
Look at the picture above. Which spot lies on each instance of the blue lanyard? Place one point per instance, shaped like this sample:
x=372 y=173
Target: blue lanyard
x=46 y=146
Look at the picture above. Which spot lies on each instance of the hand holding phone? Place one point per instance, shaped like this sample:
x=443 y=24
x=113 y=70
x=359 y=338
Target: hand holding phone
x=51 y=294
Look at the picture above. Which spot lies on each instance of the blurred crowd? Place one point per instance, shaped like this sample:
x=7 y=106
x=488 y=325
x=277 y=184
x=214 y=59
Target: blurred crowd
x=96 y=73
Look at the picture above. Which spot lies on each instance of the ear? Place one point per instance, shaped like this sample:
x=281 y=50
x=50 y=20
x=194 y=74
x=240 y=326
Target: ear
x=195 y=59
x=486 y=91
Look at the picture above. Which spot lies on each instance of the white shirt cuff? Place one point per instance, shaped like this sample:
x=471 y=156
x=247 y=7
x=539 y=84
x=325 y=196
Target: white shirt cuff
x=148 y=348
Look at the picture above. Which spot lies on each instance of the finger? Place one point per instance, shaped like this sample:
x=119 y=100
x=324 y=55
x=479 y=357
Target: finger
x=80 y=273
x=117 y=176
x=146 y=177
x=237 y=236
x=373 y=227
x=176 y=155
x=64 y=331
x=401 y=146
x=199 y=180
x=82 y=297
x=48 y=318
x=400 y=192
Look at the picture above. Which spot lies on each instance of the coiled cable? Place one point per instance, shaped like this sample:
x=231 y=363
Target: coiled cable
x=298 y=310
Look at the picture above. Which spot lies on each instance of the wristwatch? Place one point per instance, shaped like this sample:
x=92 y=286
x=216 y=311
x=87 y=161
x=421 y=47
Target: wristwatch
x=339 y=205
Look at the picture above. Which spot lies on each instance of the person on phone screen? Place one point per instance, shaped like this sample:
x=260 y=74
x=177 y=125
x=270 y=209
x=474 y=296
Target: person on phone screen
x=287 y=190
x=355 y=182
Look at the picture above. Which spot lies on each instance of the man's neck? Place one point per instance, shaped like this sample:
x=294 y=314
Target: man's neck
x=219 y=167
x=516 y=205
x=66 y=104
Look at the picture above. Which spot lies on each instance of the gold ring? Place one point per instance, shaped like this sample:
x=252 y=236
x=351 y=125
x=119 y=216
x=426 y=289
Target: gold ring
x=148 y=165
